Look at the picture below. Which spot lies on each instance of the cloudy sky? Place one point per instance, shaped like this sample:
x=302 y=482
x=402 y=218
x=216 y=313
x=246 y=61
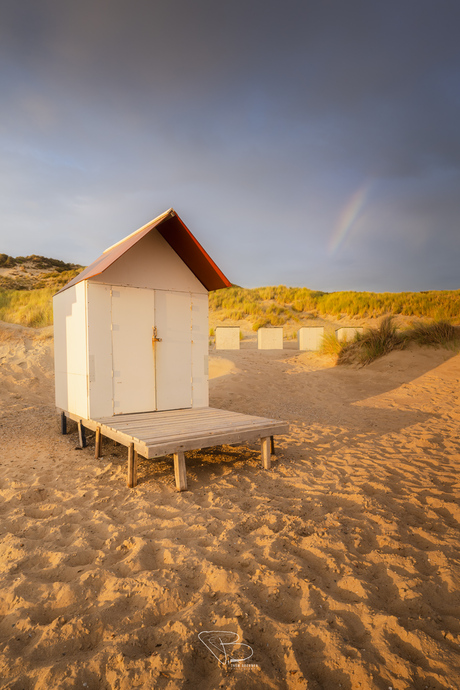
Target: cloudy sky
x=309 y=143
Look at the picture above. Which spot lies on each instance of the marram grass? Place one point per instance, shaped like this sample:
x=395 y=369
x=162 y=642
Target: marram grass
x=330 y=344
x=372 y=343
x=34 y=307
x=376 y=342
x=438 y=333
x=27 y=307
x=288 y=303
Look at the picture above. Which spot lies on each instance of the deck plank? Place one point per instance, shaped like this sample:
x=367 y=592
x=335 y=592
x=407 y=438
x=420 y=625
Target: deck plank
x=155 y=434
x=199 y=430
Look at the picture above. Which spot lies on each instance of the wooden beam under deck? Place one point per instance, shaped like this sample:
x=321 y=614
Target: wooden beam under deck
x=155 y=434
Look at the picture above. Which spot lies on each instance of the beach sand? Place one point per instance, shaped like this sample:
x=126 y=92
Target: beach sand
x=337 y=568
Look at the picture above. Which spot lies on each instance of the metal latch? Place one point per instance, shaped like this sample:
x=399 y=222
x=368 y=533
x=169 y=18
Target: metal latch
x=155 y=338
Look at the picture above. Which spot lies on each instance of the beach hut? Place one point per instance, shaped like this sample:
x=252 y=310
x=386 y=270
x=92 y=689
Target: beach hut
x=131 y=346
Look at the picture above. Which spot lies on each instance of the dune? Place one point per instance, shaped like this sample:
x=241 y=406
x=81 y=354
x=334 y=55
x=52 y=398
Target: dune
x=338 y=568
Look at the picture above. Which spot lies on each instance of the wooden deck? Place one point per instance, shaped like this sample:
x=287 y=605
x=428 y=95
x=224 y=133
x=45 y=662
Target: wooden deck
x=155 y=434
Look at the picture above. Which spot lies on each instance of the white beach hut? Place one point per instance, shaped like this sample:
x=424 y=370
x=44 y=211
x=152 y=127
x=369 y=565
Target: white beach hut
x=131 y=345
x=131 y=331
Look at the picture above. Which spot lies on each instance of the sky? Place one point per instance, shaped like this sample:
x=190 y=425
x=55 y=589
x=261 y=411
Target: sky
x=307 y=143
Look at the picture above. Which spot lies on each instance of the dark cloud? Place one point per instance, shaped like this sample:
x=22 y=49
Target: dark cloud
x=258 y=121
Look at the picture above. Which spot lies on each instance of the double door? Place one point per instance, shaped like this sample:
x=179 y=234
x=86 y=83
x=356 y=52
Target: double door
x=151 y=350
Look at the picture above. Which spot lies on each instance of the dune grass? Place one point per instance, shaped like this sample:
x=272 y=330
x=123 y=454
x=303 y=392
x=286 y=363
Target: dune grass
x=438 y=333
x=372 y=343
x=376 y=342
x=330 y=344
x=278 y=304
x=34 y=307
x=27 y=307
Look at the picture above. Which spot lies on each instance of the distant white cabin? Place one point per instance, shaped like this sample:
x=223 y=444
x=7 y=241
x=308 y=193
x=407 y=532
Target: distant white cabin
x=131 y=330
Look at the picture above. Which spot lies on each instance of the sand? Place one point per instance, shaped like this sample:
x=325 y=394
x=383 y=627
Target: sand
x=338 y=568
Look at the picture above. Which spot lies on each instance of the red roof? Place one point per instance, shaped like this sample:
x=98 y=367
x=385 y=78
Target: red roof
x=178 y=236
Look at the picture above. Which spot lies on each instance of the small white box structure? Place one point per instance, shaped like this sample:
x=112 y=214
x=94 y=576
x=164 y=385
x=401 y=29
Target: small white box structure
x=347 y=333
x=310 y=338
x=227 y=338
x=131 y=330
x=270 y=339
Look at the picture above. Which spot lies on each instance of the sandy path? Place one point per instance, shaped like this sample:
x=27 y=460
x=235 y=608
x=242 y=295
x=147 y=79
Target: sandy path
x=339 y=567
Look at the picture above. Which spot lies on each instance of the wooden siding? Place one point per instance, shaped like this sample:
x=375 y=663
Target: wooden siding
x=70 y=350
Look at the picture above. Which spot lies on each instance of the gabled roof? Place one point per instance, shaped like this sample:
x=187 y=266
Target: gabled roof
x=178 y=236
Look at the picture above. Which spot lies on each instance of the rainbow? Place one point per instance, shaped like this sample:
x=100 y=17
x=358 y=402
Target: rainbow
x=349 y=214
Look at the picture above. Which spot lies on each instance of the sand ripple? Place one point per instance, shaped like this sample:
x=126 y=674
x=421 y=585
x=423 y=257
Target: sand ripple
x=339 y=567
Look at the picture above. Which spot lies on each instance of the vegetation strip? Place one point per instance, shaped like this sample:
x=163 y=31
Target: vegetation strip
x=376 y=342
x=275 y=305
x=27 y=285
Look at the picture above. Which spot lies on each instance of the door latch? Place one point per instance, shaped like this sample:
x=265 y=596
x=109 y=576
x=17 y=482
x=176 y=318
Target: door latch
x=155 y=338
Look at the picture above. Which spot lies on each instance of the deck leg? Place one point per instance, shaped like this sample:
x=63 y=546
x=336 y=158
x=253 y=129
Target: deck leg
x=272 y=445
x=180 y=471
x=63 y=423
x=81 y=434
x=98 y=443
x=265 y=447
x=132 y=466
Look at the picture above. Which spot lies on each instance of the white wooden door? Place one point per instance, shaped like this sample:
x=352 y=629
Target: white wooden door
x=173 y=319
x=149 y=377
x=133 y=314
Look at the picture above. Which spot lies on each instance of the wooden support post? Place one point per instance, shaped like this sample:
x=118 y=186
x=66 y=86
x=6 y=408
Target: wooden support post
x=81 y=434
x=272 y=445
x=132 y=466
x=265 y=447
x=180 y=472
x=98 y=443
x=63 y=423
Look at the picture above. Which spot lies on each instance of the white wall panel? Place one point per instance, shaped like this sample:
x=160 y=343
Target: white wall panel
x=99 y=319
x=62 y=307
x=200 y=342
x=71 y=350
